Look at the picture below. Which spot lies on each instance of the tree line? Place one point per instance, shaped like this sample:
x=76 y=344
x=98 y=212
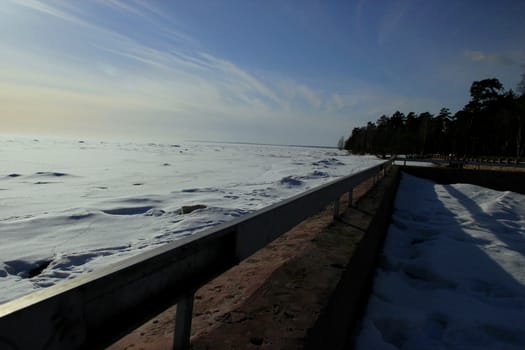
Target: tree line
x=492 y=123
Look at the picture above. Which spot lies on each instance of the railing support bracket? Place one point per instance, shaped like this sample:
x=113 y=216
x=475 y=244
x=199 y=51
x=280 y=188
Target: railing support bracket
x=336 y=208
x=181 y=340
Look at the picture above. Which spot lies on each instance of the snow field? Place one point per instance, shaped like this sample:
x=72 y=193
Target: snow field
x=71 y=206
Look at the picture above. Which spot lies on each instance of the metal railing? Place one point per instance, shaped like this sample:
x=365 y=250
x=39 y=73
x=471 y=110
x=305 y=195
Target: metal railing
x=94 y=310
x=460 y=163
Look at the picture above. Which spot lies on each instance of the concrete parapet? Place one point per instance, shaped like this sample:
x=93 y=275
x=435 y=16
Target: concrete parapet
x=495 y=179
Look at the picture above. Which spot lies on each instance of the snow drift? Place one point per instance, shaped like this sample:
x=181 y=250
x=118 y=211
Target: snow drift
x=452 y=273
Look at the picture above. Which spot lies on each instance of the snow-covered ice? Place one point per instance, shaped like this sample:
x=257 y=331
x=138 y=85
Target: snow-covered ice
x=70 y=206
x=452 y=273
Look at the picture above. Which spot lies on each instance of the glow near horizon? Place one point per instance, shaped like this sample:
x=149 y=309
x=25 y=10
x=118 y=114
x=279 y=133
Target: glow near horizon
x=275 y=72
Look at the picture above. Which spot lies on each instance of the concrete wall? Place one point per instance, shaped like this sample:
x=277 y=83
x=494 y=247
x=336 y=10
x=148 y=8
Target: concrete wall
x=498 y=180
x=335 y=326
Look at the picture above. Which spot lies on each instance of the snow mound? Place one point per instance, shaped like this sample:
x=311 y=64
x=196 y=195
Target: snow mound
x=452 y=273
x=291 y=181
x=316 y=175
x=50 y=174
x=328 y=163
x=128 y=210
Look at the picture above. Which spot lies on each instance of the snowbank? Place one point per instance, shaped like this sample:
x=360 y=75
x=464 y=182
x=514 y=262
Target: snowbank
x=452 y=274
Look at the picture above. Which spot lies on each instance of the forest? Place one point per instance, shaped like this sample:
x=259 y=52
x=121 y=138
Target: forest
x=491 y=124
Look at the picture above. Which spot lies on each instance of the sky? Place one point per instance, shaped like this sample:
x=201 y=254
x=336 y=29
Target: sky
x=277 y=71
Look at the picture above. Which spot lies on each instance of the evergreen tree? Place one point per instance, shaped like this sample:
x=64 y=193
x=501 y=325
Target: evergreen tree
x=521 y=85
x=492 y=123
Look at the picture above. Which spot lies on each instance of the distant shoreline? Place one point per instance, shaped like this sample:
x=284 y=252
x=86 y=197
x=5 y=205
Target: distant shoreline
x=37 y=137
x=262 y=144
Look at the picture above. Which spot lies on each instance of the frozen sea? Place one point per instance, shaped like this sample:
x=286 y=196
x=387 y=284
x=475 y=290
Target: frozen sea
x=72 y=206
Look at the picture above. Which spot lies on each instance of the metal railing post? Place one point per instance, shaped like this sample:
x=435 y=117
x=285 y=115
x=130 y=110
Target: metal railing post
x=181 y=339
x=336 y=208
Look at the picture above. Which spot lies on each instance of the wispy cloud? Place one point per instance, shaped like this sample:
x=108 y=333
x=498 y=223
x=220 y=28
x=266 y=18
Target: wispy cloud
x=297 y=94
x=239 y=80
x=391 y=19
x=336 y=102
x=184 y=67
x=358 y=14
x=99 y=70
x=502 y=59
x=49 y=9
x=124 y=6
x=184 y=62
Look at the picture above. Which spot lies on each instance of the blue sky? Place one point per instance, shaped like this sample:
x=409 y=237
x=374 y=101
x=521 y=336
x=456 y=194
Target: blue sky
x=287 y=72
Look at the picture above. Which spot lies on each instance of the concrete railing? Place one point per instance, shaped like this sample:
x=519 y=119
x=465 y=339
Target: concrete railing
x=94 y=310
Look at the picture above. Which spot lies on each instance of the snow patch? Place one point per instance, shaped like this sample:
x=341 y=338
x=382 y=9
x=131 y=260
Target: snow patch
x=452 y=272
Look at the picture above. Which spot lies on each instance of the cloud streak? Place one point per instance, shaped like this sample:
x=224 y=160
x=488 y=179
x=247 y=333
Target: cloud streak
x=184 y=65
x=391 y=20
x=182 y=75
x=501 y=59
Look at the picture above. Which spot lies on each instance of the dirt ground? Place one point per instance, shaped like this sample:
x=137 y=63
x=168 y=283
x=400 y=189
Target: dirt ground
x=270 y=300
